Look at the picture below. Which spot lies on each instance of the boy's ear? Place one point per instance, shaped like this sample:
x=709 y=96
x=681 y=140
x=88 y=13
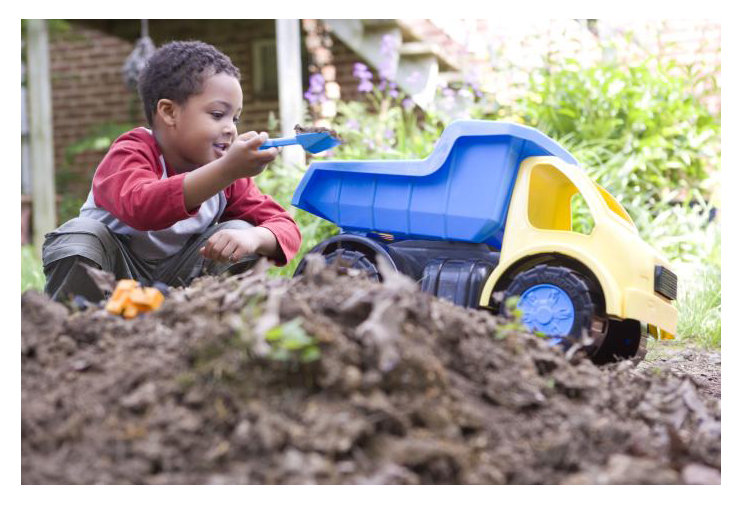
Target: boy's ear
x=167 y=111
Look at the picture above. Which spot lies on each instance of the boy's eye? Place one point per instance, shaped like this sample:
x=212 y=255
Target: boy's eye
x=236 y=120
x=217 y=115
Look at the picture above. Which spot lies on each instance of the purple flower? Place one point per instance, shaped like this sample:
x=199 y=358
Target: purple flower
x=393 y=89
x=352 y=124
x=362 y=72
x=365 y=87
x=388 y=134
x=311 y=97
x=316 y=92
x=316 y=83
x=408 y=104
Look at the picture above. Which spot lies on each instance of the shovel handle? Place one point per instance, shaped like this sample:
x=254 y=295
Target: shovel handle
x=282 y=141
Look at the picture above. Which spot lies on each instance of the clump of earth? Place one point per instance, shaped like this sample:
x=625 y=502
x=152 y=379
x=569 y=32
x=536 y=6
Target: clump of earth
x=330 y=378
x=298 y=129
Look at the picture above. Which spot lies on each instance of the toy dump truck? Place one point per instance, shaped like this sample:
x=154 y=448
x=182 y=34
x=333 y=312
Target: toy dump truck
x=488 y=216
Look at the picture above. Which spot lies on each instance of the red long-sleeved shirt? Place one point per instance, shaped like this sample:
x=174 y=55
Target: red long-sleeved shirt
x=135 y=193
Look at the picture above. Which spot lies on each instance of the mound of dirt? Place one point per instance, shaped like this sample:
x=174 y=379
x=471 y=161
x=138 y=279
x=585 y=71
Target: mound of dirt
x=335 y=379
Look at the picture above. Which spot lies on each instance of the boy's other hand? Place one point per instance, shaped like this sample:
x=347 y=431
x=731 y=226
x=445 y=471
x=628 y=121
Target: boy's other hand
x=231 y=244
x=244 y=157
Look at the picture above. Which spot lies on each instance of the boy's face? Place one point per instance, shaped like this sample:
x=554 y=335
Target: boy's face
x=205 y=125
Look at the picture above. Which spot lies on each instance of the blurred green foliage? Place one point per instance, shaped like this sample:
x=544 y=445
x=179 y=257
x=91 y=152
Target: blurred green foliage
x=699 y=302
x=32 y=274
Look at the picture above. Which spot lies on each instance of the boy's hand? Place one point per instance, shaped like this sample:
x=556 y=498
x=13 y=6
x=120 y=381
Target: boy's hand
x=244 y=159
x=229 y=245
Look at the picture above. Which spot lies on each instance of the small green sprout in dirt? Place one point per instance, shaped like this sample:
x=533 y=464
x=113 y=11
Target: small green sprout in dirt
x=289 y=340
x=516 y=325
x=512 y=305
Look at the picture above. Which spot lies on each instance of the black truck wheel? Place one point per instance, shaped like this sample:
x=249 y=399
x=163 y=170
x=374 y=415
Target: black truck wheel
x=625 y=340
x=554 y=300
x=348 y=258
x=558 y=302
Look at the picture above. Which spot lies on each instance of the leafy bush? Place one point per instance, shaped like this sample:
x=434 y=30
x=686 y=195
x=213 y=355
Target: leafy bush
x=385 y=127
x=637 y=129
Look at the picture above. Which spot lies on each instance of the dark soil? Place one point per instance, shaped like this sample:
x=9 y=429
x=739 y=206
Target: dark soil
x=406 y=389
x=703 y=365
x=315 y=129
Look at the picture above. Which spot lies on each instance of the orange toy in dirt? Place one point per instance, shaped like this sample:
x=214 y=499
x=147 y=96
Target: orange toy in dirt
x=129 y=299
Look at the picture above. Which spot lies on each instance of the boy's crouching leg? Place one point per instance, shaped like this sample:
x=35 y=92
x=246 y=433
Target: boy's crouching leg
x=66 y=251
x=67 y=277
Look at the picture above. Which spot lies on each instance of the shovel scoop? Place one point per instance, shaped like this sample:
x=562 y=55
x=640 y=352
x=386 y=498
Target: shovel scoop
x=311 y=142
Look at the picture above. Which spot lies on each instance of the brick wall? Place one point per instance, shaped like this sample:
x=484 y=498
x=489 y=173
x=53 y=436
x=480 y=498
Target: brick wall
x=87 y=90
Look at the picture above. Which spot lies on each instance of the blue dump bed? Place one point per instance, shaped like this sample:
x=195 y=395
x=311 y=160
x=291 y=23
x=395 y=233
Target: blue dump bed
x=461 y=192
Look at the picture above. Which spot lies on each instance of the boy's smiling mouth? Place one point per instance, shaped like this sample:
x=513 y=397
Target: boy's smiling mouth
x=221 y=148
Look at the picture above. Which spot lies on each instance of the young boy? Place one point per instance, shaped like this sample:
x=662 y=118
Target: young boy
x=175 y=202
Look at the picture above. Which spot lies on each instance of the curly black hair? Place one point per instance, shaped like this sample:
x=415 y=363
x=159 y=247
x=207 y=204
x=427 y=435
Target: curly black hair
x=177 y=70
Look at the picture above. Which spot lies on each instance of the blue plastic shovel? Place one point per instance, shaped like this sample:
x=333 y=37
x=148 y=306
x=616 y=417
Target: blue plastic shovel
x=311 y=142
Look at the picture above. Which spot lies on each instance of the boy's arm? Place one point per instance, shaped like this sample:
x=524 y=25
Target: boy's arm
x=242 y=159
x=205 y=182
x=246 y=202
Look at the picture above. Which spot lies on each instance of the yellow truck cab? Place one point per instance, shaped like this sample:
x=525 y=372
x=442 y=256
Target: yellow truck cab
x=630 y=280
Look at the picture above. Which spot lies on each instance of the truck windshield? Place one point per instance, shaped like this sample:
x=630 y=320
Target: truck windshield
x=613 y=204
x=555 y=203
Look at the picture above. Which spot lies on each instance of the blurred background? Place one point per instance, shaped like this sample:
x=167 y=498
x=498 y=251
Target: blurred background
x=638 y=103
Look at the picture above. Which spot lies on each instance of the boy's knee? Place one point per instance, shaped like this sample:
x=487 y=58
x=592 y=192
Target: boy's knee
x=68 y=276
x=83 y=225
x=80 y=236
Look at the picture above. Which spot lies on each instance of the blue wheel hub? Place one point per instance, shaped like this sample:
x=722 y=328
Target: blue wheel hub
x=547 y=308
